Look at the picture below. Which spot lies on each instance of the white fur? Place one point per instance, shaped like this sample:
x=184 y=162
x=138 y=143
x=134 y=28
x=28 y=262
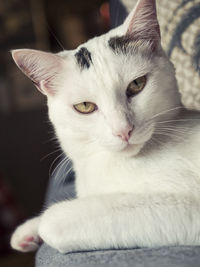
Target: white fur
x=26 y=230
x=144 y=193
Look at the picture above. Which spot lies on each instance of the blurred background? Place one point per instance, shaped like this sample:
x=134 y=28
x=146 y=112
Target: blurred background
x=27 y=150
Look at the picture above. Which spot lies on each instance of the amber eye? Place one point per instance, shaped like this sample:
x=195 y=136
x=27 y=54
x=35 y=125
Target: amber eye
x=85 y=107
x=136 y=86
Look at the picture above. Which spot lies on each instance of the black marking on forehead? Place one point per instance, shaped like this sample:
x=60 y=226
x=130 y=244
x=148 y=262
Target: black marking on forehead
x=120 y=44
x=128 y=45
x=83 y=57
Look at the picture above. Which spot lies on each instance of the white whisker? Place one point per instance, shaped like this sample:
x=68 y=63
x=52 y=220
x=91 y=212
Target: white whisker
x=164 y=133
x=165 y=111
x=171 y=129
x=63 y=169
x=178 y=120
x=49 y=154
x=50 y=169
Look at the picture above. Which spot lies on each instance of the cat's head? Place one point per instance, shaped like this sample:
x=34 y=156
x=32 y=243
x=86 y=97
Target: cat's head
x=110 y=92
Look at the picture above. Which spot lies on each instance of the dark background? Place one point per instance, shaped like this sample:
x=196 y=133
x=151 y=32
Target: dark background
x=26 y=136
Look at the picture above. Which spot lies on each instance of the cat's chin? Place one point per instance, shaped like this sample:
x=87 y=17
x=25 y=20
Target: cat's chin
x=132 y=150
x=127 y=150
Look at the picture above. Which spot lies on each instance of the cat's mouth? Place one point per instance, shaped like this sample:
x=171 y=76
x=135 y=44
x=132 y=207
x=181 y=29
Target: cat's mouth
x=141 y=137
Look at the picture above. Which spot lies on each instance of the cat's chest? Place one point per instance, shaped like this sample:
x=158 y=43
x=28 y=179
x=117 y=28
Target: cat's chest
x=160 y=172
x=103 y=174
x=106 y=177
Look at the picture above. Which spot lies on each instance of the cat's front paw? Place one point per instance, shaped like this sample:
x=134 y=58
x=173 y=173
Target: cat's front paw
x=26 y=238
x=55 y=227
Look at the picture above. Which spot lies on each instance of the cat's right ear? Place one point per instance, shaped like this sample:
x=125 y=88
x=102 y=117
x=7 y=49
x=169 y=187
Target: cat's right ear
x=41 y=67
x=142 y=24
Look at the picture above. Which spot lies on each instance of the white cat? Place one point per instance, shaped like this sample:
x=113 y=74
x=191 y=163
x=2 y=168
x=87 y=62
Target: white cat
x=135 y=149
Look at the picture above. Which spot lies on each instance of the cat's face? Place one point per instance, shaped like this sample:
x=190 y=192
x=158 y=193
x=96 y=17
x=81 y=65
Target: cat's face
x=108 y=92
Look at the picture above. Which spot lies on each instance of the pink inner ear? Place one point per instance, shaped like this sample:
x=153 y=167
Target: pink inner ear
x=41 y=67
x=144 y=24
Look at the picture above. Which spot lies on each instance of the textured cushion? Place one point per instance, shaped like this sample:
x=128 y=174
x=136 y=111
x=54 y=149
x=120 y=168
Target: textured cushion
x=180 y=30
x=159 y=257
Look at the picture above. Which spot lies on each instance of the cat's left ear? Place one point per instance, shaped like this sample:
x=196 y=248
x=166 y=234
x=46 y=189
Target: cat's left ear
x=42 y=68
x=142 y=23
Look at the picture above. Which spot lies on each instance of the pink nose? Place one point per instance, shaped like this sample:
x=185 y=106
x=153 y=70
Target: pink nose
x=125 y=134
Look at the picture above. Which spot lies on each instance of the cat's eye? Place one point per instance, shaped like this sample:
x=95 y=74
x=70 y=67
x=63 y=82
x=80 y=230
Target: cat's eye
x=136 y=86
x=85 y=107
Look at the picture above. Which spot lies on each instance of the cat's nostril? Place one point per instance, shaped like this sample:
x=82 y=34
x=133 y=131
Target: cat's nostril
x=130 y=132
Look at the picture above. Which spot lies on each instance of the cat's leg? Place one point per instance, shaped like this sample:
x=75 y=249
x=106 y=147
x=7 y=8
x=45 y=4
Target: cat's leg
x=26 y=238
x=121 y=220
